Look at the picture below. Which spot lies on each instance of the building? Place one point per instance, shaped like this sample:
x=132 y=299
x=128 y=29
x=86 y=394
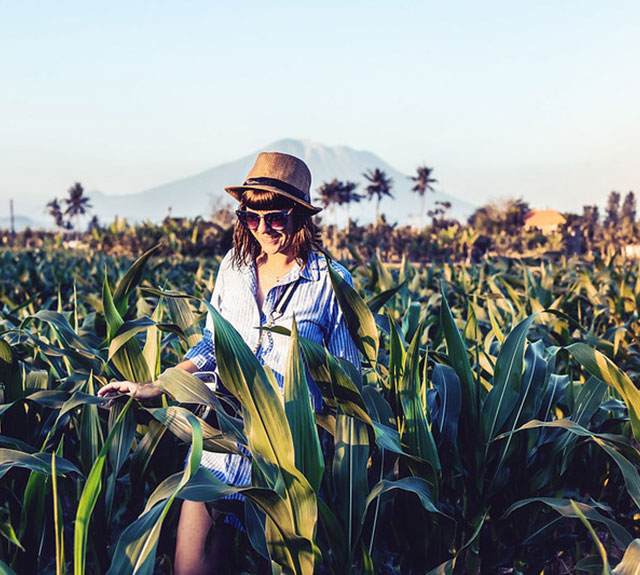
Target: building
x=547 y=221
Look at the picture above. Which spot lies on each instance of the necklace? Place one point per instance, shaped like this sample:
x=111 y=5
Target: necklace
x=276 y=277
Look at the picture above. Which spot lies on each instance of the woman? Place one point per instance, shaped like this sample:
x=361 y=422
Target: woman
x=273 y=271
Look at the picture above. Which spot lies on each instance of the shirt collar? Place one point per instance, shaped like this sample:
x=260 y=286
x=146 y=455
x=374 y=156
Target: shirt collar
x=310 y=271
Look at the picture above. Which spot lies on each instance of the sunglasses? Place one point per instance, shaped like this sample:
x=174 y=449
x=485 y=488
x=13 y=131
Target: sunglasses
x=276 y=221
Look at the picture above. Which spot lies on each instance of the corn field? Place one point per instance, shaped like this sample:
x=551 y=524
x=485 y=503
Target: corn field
x=494 y=428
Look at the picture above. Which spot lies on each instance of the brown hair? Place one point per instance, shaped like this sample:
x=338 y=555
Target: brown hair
x=305 y=238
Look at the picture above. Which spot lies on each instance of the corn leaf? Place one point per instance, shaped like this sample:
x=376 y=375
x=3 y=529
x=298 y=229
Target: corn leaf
x=416 y=431
x=350 y=473
x=130 y=281
x=600 y=366
x=564 y=508
x=128 y=359
x=267 y=432
x=630 y=560
x=460 y=362
x=502 y=399
x=308 y=453
x=89 y=498
x=357 y=315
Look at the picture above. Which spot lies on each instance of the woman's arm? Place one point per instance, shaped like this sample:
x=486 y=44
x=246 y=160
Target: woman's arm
x=140 y=391
x=200 y=357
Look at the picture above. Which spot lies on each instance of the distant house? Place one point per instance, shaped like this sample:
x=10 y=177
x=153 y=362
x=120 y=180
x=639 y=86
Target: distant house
x=632 y=251
x=546 y=221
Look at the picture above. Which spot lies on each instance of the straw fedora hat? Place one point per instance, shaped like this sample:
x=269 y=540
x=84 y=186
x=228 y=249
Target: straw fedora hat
x=280 y=173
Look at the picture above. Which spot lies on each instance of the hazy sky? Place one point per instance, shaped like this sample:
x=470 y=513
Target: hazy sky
x=539 y=100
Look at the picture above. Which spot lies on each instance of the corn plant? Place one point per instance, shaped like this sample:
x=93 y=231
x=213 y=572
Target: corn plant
x=491 y=419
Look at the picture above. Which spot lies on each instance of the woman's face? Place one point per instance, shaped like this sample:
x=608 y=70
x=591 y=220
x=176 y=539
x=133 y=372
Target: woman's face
x=273 y=239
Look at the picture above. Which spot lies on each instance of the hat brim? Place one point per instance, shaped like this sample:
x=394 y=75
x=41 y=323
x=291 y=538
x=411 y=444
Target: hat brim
x=237 y=191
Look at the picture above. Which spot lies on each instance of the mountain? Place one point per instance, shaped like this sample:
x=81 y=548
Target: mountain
x=202 y=193
x=22 y=222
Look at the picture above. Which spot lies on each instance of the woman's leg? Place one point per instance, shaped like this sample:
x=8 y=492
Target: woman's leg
x=193 y=528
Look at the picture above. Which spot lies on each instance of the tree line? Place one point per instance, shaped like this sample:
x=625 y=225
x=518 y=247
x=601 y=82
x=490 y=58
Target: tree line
x=492 y=228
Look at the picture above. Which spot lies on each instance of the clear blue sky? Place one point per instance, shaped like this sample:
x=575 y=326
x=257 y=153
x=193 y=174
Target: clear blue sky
x=539 y=100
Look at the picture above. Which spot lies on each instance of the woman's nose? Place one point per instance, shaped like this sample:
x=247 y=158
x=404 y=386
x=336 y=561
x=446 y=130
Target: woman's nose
x=262 y=226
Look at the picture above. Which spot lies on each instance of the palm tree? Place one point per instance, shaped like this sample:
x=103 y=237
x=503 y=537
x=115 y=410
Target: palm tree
x=423 y=182
x=329 y=194
x=55 y=211
x=77 y=203
x=346 y=196
x=380 y=186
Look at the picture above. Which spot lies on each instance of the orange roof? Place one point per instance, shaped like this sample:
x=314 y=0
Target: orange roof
x=544 y=218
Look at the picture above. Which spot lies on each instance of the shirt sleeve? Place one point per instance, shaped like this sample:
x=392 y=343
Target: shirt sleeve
x=339 y=341
x=203 y=353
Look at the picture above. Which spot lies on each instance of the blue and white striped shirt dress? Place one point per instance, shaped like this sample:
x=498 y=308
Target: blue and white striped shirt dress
x=318 y=318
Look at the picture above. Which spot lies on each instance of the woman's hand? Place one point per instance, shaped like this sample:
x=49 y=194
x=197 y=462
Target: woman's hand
x=139 y=391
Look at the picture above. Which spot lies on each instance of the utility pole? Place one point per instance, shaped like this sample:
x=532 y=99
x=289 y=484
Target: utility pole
x=13 y=220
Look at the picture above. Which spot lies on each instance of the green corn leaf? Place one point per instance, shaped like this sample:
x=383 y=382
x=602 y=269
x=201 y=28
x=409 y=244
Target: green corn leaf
x=7 y=531
x=416 y=431
x=130 y=329
x=563 y=506
x=182 y=315
x=32 y=516
x=601 y=367
x=188 y=388
x=118 y=452
x=63 y=329
x=532 y=387
x=77 y=357
x=350 y=472
x=460 y=362
x=416 y=485
x=590 y=564
x=308 y=452
x=142 y=456
x=128 y=359
x=254 y=524
x=332 y=535
x=90 y=430
x=37 y=462
x=136 y=550
x=377 y=302
x=357 y=315
x=5 y=569
x=89 y=498
x=447 y=567
x=151 y=349
x=607 y=442
x=336 y=386
x=606 y=570
x=130 y=281
x=174 y=419
x=185 y=387
x=411 y=320
x=377 y=406
x=588 y=402
x=502 y=399
x=397 y=355
x=267 y=432
x=58 y=520
x=10 y=375
x=446 y=385
x=204 y=486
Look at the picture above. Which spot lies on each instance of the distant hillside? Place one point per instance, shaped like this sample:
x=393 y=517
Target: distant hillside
x=199 y=194
x=22 y=222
